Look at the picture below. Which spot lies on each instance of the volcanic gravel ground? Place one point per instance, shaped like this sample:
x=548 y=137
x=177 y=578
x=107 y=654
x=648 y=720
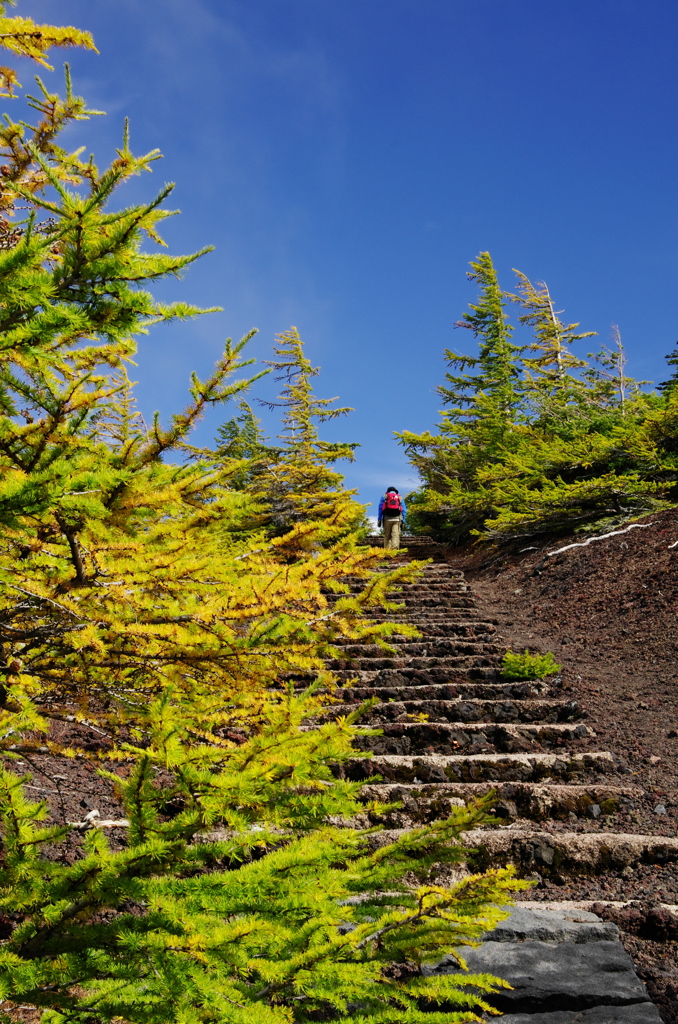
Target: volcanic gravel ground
x=608 y=612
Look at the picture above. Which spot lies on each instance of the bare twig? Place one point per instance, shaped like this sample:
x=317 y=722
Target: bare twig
x=39 y=597
x=603 y=536
x=92 y=820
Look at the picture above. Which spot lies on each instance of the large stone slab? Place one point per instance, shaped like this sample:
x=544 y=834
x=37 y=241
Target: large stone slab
x=640 y=1013
x=531 y=924
x=547 y=976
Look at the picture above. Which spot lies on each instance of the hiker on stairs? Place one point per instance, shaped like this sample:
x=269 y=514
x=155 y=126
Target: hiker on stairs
x=392 y=514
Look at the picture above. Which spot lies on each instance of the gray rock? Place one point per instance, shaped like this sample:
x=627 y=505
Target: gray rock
x=640 y=1013
x=548 y=977
x=536 y=925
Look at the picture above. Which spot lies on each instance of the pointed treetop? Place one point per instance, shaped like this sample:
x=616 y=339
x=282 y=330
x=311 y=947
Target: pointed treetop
x=496 y=376
x=672 y=382
x=611 y=384
x=303 y=410
x=486 y=318
x=553 y=337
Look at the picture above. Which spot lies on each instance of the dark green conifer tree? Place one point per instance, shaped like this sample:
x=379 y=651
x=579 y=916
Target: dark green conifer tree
x=489 y=398
x=536 y=444
x=552 y=385
x=301 y=483
x=241 y=443
x=612 y=388
x=672 y=382
x=482 y=408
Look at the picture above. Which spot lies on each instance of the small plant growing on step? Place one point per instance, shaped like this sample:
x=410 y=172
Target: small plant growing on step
x=528 y=666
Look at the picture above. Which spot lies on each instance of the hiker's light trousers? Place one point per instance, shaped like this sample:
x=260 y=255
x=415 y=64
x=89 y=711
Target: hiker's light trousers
x=392 y=533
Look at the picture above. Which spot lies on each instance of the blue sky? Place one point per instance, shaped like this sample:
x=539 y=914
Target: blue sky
x=347 y=158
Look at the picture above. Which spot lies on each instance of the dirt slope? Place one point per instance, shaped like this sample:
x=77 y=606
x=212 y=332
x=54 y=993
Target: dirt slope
x=609 y=614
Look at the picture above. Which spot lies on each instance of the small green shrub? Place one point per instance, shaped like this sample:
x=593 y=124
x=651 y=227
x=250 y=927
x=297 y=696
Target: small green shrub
x=528 y=666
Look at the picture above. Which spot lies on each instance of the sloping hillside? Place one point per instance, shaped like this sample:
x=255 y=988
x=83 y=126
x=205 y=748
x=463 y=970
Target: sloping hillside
x=608 y=612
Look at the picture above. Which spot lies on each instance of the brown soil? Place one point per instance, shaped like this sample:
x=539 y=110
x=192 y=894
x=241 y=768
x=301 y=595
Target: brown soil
x=608 y=612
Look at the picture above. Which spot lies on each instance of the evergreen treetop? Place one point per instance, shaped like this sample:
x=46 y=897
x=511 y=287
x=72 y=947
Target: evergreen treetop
x=550 y=370
x=493 y=391
x=303 y=411
x=611 y=385
x=670 y=384
x=300 y=481
x=539 y=444
x=241 y=442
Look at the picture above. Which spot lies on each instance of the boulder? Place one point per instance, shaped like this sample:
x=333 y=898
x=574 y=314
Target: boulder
x=537 y=925
x=550 y=976
x=640 y=1013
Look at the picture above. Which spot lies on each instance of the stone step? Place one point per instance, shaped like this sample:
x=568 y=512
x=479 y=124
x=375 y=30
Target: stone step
x=416 y=677
x=475 y=682
x=408 y=650
x=422 y=803
x=441 y=583
x=428 y=573
x=425 y=581
x=413 y=615
x=523 y=767
x=560 y=905
x=563 y=976
x=432 y=580
x=458 y=663
x=458 y=689
x=438 y=568
x=590 y=905
x=539 y=923
x=411 y=602
x=447 y=632
x=415 y=540
x=437 y=613
x=426 y=625
x=447 y=628
x=475 y=737
x=461 y=711
x=443 y=591
x=553 y=854
x=424 y=574
x=435 y=590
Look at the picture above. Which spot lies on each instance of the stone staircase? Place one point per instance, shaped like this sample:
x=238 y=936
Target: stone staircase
x=452 y=730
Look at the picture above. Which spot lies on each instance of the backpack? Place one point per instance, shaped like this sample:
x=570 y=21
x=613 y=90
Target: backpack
x=392 y=502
